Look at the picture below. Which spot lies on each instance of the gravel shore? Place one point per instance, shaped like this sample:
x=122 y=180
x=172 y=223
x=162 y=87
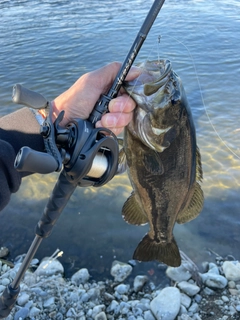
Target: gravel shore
x=46 y=294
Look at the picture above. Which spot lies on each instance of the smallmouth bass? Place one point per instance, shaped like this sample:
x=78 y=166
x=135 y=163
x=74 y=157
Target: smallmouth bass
x=163 y=161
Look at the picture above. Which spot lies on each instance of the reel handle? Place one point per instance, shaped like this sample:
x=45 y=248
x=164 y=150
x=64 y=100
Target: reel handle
x=29 y=160
x=29 y=98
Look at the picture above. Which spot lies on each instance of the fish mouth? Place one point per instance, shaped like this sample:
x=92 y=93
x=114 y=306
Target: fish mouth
x=155 y=74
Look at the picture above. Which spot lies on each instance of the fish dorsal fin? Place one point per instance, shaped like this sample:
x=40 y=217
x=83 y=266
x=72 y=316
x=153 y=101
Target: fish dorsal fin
x=132 y=212
x=153 y=163
x=195 y=206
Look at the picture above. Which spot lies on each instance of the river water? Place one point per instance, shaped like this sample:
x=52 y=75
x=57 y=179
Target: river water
x=47 y=45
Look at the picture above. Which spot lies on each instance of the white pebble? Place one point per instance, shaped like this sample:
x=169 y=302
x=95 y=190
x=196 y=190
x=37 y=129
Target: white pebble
x=167 y=304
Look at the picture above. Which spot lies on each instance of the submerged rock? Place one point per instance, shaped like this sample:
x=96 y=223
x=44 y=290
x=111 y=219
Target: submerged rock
x=139 y=282
x=49 y=267
x=178 y=274
x=3 y=252
x=80 y=277
x=120 y=270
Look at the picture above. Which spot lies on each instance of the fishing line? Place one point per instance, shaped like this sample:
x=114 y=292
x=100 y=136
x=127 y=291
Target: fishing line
x=201 y=94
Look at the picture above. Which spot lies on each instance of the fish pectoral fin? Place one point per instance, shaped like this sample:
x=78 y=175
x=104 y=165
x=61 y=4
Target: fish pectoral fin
x=132 y=212
x=122 y=162
x=120 y=141
x=194 y=208
x=153 y=163
x=148 y=250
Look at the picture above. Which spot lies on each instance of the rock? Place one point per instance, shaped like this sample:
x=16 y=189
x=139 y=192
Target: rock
x=101 y=316
x=34 y=312
x=213 y=280
x=213 y=268
x=148 y=315
x=237 y=308
x=194 y=308
x=185 y=300
x=5 y=281
x=21 y=314
x=120 y=270
x=81 y=276
x=231 y=270
x=208 y=291
x=188 y=288
x=48 y=302
x=49 y=267
x=178 y=274
x=139 y=282
x=97 y=309
x=22 y=298
x=4 y=252
x=231 y=284
x=167 y=304
x=1 y=288
x=113 y=307
x=122 y=288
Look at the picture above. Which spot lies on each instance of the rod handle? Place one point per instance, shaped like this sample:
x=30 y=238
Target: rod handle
x=56 y=203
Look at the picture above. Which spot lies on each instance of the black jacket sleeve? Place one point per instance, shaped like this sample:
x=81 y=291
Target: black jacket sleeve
x=17 y=129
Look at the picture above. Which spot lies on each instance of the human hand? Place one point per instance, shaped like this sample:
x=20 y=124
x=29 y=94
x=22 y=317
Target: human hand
x=78 y=101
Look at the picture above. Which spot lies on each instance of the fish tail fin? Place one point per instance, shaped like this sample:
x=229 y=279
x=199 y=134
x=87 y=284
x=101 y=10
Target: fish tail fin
x=149 y=249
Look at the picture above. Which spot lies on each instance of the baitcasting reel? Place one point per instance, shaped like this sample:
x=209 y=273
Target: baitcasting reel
x=88 y=155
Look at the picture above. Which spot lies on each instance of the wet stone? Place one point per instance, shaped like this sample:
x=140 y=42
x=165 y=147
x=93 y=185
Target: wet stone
x=120 y=270
x=178 y=274
x=81 y=276
x=3 y=252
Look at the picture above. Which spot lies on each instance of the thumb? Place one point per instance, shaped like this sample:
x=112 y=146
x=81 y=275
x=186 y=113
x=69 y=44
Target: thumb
x=107 y=74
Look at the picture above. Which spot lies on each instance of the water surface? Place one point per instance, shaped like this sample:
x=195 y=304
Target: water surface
x=47 y=45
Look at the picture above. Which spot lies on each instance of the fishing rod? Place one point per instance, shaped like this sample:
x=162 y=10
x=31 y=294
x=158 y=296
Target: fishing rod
x=84 y=155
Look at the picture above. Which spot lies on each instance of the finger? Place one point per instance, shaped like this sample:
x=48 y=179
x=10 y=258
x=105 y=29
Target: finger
x=115 y=120
x=116 y=131
x=121 y=104
x=133 y=73
x=108 y=73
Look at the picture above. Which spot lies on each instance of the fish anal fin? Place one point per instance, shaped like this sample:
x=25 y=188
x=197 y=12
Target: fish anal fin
x=132 y=212
x=194 y=208
x=148 y=250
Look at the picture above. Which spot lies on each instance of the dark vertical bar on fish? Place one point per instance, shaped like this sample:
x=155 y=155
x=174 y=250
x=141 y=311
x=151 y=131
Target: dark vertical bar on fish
x=101 y=106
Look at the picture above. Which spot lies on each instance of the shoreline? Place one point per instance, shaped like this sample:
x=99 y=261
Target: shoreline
x=46 y=294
